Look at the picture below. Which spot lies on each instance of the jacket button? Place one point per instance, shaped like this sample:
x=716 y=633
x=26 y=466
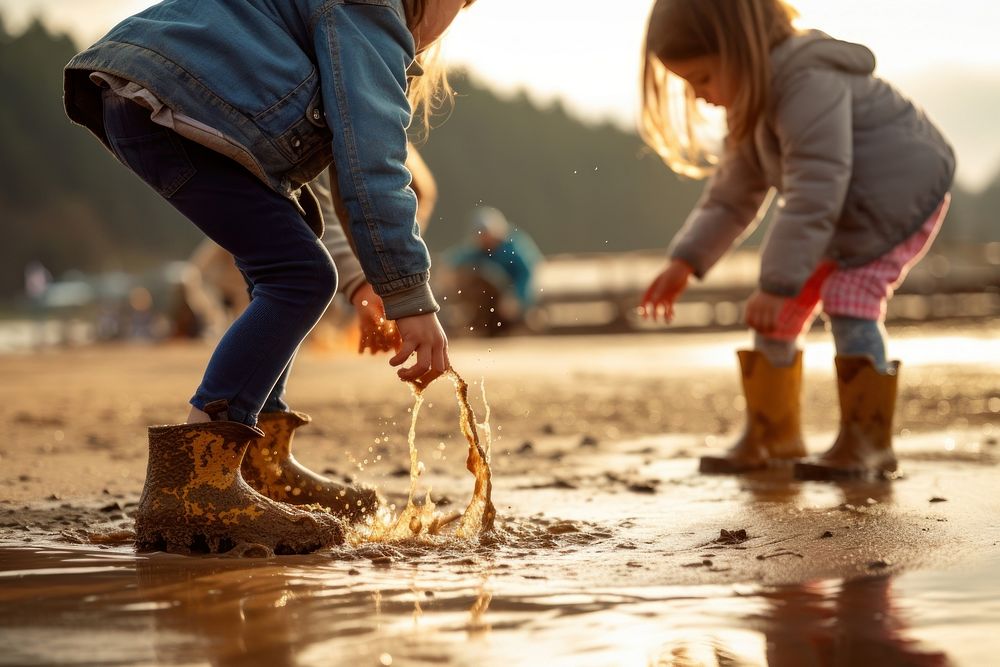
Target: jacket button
x=317 y=114
x=296 y=142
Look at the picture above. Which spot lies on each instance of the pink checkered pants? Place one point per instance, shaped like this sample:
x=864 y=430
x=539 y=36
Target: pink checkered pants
x=862 y=291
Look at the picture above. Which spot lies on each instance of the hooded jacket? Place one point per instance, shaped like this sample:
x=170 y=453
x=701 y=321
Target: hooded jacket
x=285 y=89
x=858 y=169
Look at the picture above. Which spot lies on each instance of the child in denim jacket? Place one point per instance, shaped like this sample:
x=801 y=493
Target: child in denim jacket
x=229 y=111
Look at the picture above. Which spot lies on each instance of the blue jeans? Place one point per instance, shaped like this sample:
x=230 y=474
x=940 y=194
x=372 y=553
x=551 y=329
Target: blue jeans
x=291 y=276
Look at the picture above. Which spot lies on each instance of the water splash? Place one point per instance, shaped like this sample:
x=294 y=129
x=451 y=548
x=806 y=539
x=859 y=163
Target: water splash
x=423 y=521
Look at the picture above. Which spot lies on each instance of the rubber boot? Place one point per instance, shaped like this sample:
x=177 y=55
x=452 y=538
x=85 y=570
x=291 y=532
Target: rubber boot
x=270 y=468
x=863 y=448
x=195 y=500
x=773 y=432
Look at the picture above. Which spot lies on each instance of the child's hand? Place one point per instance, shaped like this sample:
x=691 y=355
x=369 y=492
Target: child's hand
x=763 y=310
x=664 y=290
x=377 y=333
x=422 y=334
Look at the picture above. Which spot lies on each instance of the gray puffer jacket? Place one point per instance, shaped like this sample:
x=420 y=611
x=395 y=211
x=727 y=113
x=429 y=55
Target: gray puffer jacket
x=857 y=166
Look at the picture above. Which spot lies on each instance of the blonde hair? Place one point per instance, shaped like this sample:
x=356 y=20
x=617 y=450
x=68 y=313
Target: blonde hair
x=741 y=33
x=430 y=90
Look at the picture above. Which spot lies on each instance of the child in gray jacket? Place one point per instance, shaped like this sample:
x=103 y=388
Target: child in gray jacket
x=863 y=179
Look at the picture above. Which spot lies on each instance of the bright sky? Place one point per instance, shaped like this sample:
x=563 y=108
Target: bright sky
x=944 y=54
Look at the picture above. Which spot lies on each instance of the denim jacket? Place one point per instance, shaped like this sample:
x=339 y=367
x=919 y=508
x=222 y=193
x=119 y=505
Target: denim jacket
x=287 y=88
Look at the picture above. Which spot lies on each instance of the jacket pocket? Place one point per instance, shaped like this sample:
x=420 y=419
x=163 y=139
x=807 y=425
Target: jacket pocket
x=158 y=159
x=297 y=125
x=154 y=153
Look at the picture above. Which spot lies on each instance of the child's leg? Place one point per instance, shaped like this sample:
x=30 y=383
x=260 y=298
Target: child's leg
x=292 y=274
x=855 y=299
x=867 y=383
x=781 y=353
x=276 y=399
x=771 y=375
x=854 y=336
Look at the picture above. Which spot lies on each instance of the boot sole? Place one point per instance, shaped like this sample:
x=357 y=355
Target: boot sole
x=711 y=465
x=813 y=472
x=718 y=465
x=203 y=541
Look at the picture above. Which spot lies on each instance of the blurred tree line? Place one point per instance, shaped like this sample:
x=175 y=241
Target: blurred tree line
x=575 y=187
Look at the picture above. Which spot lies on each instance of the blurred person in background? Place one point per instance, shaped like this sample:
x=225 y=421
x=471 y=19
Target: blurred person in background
x=493 y=273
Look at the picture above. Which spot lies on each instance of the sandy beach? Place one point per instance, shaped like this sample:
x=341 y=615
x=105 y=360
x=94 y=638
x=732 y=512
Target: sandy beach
x=605 y=521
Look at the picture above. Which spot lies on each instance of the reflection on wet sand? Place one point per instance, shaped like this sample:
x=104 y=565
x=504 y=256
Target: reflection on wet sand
x=824 y=623
x=119 y=608
x=609 y=548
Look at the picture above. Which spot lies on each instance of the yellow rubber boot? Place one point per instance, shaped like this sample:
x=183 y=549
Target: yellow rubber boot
x=270 y=468
x=195 y=501
x=863 y=448
x=773 y=432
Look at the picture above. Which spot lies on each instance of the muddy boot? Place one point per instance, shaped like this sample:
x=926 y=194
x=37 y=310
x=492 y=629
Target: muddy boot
x=195 y=501
x=863 y=448
x=773 y=433
x=270 y=468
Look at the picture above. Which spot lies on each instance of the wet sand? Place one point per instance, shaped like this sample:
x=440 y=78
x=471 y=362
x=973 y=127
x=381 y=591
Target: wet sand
x=611 y=549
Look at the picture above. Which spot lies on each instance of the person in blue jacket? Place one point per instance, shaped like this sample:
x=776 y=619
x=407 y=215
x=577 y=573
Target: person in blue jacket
x=495 y=268
x=228 y=110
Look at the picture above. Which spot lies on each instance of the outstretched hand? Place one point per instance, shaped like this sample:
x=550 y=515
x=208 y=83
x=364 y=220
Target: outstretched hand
x=423 y=335
x=377 y=333
x=664 y=290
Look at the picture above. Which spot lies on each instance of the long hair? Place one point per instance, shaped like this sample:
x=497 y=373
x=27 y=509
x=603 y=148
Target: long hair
x=430 y=90
x=741 y=33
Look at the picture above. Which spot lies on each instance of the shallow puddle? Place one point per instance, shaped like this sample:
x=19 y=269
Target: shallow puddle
x=634 y=560
x=85 y=607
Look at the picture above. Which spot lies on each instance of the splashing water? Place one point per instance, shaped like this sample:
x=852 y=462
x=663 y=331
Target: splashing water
x=423 y=521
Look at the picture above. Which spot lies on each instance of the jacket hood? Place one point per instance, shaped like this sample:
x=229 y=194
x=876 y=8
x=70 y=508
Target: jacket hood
x=814 y=48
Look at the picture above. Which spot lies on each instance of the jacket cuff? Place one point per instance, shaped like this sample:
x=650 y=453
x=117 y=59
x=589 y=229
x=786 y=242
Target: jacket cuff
x=416 y=300
x=690 y=260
